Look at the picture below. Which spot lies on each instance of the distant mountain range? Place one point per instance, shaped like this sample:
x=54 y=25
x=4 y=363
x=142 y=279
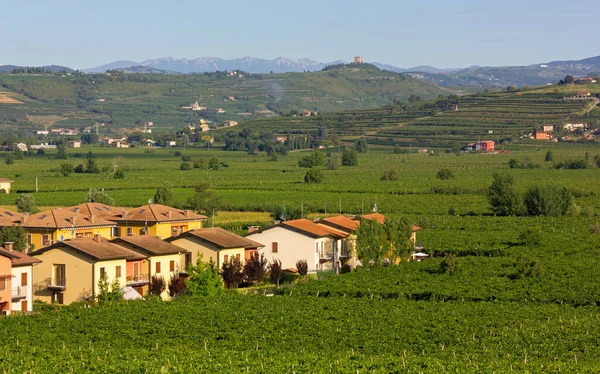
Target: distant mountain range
x=475 y=77
x=52 y=68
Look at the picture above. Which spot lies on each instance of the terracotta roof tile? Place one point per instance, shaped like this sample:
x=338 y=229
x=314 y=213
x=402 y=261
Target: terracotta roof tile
x=21 y=259
x=381 y=219
x=156 y=213
x=313 y=229
x=6 y=180
x=220 y=238
x=97 y=209
x=148 y=244
x=341 y=222
x=97 y=248
x=8 y=217
x=60 y=218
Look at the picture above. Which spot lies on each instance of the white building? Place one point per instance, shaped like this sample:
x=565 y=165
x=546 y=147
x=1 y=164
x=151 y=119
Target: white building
x=300 y=239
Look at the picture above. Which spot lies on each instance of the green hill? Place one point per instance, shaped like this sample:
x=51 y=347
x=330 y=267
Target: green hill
x=125 y=100
x=495 y=116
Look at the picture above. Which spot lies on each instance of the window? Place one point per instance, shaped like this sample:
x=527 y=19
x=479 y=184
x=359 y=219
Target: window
x=116 y=231
x=129 y=231
x=24 y=279
x=226 y=258
x=59 y=275
x=158 y=267
x=58 y=298
x=2 y=284
x=275 y=247
x=316 y=247
x=46 y=240
x=102 y=272
x=79 y=235
x=171 y=265
x=118 y=272
x=238 y=257
x=136 y=269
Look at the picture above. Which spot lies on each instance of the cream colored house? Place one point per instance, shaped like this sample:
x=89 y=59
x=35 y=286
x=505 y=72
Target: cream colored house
x=162 y=259
x=70 y=270
x=215 y=244
x=300 y=239
x=5 y=185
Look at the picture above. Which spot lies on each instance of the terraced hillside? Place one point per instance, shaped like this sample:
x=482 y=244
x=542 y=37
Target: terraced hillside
x=442 y=123
x=123 y=101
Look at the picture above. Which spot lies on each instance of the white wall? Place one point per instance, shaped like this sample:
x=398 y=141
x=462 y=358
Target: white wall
x=16 y=282
x=292 y=246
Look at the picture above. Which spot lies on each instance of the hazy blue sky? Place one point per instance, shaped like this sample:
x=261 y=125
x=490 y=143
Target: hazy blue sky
x=448 y=33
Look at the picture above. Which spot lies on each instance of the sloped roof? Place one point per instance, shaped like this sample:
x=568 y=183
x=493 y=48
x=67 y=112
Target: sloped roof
x=149 y=244
x=9 y=254
x=220 y=237
x=156 y=213
x=97 y=248
x=19 y=258
x=6 y=180
x=97 y=209
x=9 y=217
x=341 y=222
x=60 y=218
x=306 y=227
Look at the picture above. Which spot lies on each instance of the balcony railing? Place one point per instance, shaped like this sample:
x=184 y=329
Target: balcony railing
x=19 y=293
x=57 y=284
x=138 y=279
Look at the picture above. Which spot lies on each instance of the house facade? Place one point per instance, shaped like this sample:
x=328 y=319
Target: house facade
x=5 y=185
x=300 y=239
x=5 y=282
x=216 y=244
x=71 y=269
x=22 y=279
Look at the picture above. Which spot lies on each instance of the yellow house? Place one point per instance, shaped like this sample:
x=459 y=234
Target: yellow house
x=156 y=220
x=162 y=259
x=55 y=225
x=70 y=270
x=215 y=244
x=5 y=185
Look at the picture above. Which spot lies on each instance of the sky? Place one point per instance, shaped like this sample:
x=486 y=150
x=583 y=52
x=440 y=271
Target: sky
x=445 y=33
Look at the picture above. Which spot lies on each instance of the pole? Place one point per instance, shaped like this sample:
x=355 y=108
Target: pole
x=36 y=184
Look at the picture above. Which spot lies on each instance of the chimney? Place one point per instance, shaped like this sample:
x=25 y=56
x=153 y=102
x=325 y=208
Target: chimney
x=24 y=219
x=92 y=219
x=76 y=210
x=97 y=238
x=253 y=229
x=8 y=246
x=168 y=213
x=186 y=213
x=73 y=220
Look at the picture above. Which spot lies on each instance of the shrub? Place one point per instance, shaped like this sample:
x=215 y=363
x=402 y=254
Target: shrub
x=595 y=229
x=66 y=169
x=549 y=156
x=177 y=286
x=204 y=279
x=9 y=159
x=448 y=264
x=314 y=176
x=185 y=166
x=275 y=271
x=177 y=153
x=530 y=237
x=26 y=203
x=302 y=267
x=503 y=195
x=149 y=149
x=157 y=285
x=186 y=158
x=119 y=174
x=255 y=269
x=231 y=272
x=164 y=194
x=333 y=162
x=389 y=175
x=316 y=158
x=99 y=196
x=214 y=163
x=349 y=158
x=445 y=174
x=548 y=200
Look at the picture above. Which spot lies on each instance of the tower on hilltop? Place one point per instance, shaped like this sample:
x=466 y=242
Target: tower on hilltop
x=358 y=60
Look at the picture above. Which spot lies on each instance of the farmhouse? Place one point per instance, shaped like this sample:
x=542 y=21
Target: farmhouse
x=585 y=80
x=301 y=239
x=21 y=147
x=74 y=144
x=230 y=123
x=542 y=135
x=481 y=146
x=71 y=269
x=43 y=146
x=548 y=128
x=5 y=185
x=216 y=244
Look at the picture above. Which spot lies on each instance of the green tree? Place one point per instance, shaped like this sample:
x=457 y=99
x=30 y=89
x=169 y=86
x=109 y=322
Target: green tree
x=119 y=174
x=389 y=175
x=349 y=158
x=370 y=242
x=549 y=156
x=503 y=195
x=203 y=200
x=204 y=279
x=109 y=291
x=164 y=194
x=548 y=200
x=19 y=155
x=185 y=166
x=99 y=196
x=414 y=98
x=66 y=168
x=445 y=174
x=361 y=145
x=316 y=158
x=569 y=79
x=214 y=163
x=398 y=233
x=61 y=152
x=26 y=203
x=333 y=162
x=9 y=159
x=314 y=176
x=15 y=234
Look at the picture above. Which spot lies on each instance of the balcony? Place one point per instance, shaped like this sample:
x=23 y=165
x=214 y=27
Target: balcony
x=325 y=255
x=19 y=293
x=137 y=280
x=57 y=284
